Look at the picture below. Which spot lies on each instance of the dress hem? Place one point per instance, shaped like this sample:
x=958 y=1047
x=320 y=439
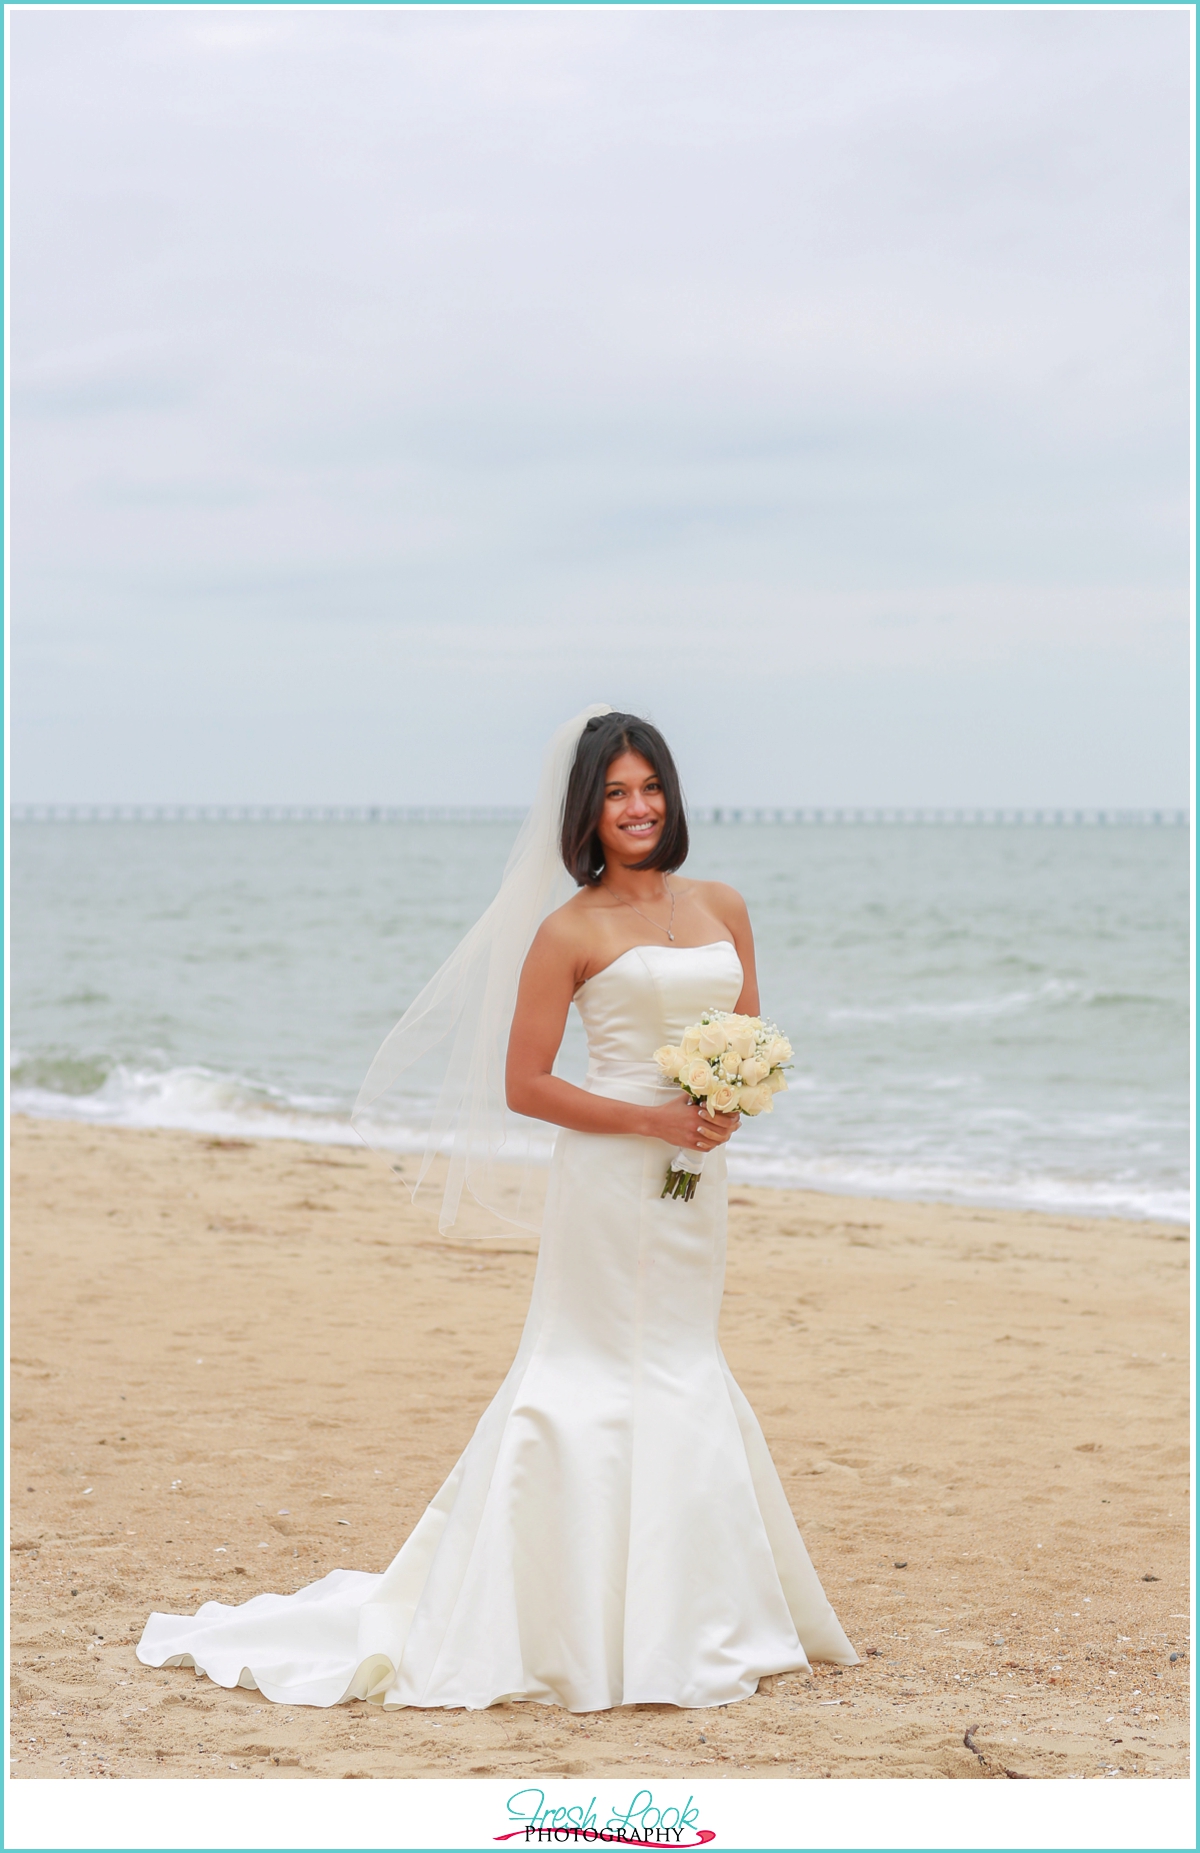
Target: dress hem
x=375 y=1677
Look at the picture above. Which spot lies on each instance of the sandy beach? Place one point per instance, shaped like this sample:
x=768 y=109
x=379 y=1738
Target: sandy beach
x=239 y=1364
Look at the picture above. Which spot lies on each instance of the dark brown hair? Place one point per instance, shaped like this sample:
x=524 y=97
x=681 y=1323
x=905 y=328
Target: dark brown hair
x=604 y=739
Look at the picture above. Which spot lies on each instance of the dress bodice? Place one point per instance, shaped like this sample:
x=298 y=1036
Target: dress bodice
x=646 y=998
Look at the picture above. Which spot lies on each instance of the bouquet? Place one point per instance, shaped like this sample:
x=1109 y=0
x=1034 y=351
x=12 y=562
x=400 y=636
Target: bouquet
x=729 y=1064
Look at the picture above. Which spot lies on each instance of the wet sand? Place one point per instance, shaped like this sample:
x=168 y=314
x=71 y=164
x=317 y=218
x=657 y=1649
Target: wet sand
x=236 y=1366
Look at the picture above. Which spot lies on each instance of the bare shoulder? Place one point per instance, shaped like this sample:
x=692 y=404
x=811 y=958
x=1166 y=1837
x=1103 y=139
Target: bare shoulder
x=723 y=901
x=562 y=930
x=565 y=935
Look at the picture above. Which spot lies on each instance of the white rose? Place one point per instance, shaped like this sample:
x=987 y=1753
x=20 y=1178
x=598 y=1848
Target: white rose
x=776 y=1081
x=689 y=1042
x=777 y=1051
x=731 y=1066
x=754 y=1071
x=741 y=1037
x=670 y=1061
x=697 y=1077
x=754 y=1100
x=713 y=1040
x=722 y=1099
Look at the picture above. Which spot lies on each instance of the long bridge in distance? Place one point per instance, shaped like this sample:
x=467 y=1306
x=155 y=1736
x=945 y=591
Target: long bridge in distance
x=1059 y=817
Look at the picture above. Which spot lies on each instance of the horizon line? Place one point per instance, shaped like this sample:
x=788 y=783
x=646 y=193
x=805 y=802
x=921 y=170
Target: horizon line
x=1046 y=816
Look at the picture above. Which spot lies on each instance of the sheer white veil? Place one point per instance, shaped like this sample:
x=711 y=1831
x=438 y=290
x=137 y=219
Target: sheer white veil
x=468 y=1005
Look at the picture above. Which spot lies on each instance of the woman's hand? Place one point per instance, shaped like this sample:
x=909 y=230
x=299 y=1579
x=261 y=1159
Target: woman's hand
x=684 y=1124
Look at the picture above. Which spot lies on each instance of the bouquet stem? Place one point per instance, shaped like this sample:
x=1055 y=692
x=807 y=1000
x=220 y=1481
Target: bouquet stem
x=680 y=1180
x=681 y=1184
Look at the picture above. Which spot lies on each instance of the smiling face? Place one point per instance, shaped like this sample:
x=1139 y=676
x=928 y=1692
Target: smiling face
x=635 y=809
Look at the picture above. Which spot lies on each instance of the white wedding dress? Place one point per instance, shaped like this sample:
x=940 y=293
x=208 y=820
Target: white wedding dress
x=615 y=1532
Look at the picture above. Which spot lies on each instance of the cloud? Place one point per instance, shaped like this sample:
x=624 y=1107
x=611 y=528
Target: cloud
x=501 y=350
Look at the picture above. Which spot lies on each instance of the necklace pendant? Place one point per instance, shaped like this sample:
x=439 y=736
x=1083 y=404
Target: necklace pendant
x=671 y=936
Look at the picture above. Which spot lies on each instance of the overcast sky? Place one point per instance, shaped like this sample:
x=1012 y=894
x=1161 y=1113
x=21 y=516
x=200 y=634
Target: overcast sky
x=389 y=384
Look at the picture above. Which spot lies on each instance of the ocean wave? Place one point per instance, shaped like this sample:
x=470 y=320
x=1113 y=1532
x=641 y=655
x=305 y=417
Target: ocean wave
x=73 y=1075
x=197 y=1099
x=193 y=1099
x=1007 y=1004
x=1141 y=1200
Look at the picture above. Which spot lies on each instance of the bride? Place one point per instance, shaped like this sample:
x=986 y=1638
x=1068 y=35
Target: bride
x=615 y=1532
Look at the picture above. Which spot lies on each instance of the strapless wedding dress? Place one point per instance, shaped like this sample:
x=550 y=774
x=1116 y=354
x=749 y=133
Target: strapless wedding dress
x=615 y=1532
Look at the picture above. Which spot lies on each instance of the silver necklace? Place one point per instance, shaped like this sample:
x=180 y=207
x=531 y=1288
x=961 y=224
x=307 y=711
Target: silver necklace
x=654 y=923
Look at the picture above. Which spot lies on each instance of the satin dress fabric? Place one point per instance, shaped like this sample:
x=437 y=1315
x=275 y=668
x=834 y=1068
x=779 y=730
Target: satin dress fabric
x=615 y=1532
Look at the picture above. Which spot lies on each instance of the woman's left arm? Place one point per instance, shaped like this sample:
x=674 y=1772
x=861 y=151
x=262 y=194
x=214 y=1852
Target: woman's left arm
x=732 y=911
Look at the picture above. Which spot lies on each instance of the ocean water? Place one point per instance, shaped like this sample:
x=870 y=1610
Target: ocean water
x=996 y=1015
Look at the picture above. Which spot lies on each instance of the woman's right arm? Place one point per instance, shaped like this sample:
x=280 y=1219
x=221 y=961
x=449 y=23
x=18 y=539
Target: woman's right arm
x=549 y=980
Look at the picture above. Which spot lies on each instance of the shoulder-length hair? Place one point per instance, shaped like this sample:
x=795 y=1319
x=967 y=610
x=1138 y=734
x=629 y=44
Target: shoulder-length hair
x=604 y=739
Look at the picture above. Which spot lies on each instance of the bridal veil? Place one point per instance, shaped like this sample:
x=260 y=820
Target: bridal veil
x=459 y=1023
